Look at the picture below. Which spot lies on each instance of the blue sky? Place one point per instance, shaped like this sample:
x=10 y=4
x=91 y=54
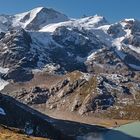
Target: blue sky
x=113 y=10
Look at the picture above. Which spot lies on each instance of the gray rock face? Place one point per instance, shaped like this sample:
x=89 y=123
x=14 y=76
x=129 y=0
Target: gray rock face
x=116 y=30
x=133 y=25
x=133 y=40
x=75 y=41
x=76 y=47
x=106 y=61
x=36 y=98
x=19 y=48
x=2 y=35
x=36 y=95
x=14 y=48
x=18 y=74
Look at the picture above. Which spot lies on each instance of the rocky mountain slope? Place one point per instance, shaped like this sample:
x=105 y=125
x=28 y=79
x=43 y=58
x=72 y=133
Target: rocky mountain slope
x=96 y=64
x=10 y=134
x=26 y=121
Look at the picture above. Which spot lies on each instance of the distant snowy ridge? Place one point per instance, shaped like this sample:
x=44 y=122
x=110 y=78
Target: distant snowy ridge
x=50 y=29
x=86 y=23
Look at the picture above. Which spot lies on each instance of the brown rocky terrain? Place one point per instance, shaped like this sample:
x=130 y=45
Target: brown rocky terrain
x=100 y=95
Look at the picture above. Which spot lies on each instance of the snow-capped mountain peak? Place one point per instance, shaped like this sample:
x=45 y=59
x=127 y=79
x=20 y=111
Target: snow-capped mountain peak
x=26 y=17
x=38 y=17
x=92 y=21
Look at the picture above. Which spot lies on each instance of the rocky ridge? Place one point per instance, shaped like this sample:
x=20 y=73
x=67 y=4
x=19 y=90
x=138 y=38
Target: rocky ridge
x=98 y=61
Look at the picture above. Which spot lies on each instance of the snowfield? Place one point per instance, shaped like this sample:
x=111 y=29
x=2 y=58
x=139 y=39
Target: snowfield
x=87 y=23
x=3 y=70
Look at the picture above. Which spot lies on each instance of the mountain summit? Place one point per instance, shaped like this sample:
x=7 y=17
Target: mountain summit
x=38 y=17
x=32 y=20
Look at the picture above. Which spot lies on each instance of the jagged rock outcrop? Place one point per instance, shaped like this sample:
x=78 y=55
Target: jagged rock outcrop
x=18 y=74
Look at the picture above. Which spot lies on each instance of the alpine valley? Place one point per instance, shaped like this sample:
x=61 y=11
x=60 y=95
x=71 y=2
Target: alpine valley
x=72 y=71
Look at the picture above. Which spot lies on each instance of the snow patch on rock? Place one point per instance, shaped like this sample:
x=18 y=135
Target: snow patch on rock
x=3 y=70
x=3 y=83
x=2 y=111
